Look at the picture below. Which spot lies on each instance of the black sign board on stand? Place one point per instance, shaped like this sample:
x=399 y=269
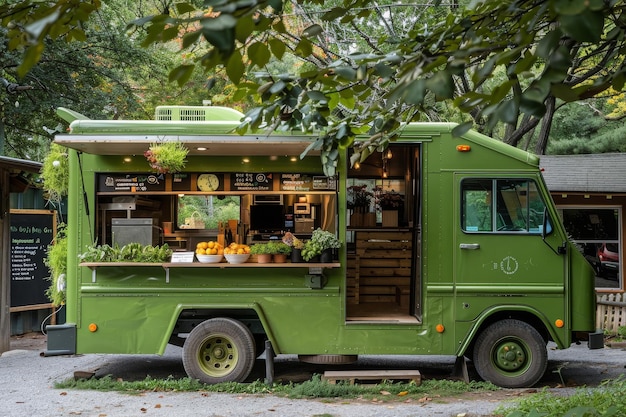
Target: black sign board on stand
x=32 y=231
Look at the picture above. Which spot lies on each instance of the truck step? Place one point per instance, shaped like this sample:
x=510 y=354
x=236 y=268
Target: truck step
x=373 y=375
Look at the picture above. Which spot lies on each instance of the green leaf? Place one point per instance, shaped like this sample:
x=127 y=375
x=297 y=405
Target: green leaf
x=334 y=13
x=508 y=111
x=235 y=68
x=259 y=54
x=548 y=43
x=277 y=47
x=182 y=8
x=190 y=38
x=181 y=74
x=461 y=129
x=441 y=84
x=312 y=31
x=585 y=27
x=317 y=96
x=346 y=72
x=304 y=48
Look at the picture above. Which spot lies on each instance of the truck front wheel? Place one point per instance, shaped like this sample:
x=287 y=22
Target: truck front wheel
x=219 y=350
x=510 y=354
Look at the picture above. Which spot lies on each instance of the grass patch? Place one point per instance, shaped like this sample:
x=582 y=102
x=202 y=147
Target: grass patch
x=313 y=388
x=604 y=401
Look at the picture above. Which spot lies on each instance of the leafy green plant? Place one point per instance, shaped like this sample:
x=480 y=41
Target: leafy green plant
x=270 y=248
x=167 y=156
x=320 y=241
x=132 y=252
x=55 y=173
x=260 y=249
x=279 y=248
x=56 y=261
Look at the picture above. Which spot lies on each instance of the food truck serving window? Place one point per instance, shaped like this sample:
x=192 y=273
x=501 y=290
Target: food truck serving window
x=206 y=211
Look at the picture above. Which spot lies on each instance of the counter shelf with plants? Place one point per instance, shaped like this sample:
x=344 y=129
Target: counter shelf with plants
x=314 y=268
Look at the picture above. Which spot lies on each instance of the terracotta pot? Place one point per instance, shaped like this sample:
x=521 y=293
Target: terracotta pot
x=264 y=258
x=280 y=258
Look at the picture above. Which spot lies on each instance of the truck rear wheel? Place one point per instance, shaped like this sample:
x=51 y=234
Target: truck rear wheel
x=510 y=354
x=219 y=350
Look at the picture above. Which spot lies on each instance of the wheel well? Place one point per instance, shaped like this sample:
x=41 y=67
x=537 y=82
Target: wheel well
x=524 y=316
x=190 y=318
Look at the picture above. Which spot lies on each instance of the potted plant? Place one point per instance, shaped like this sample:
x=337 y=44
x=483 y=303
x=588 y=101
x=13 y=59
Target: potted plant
x=390 y=204
x=296 y=246
x=167 y=157
x=359 y=200
x=321 y=244
x=280 y=251
x=263 y=252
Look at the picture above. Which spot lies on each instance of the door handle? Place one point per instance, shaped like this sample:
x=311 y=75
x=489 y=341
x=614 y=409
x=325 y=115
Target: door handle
x=472 y=246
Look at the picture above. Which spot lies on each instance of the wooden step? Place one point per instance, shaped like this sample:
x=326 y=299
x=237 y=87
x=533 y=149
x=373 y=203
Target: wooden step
x=373 y=375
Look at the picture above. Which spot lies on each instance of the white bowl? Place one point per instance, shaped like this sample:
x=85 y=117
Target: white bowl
x=236 y=258
x=209 y=259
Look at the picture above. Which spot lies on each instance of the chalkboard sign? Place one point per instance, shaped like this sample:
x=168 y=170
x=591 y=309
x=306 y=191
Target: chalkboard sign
x=32 y=231
x=251 y=181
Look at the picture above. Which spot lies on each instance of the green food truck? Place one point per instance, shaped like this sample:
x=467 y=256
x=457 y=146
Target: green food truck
x=448 y=246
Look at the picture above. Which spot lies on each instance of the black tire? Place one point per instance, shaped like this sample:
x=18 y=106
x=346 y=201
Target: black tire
x=511 y=354
x=219 y=350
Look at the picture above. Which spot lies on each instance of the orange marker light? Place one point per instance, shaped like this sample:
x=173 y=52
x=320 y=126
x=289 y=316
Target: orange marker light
x=440 y=328
x=559 y=323
x=93 y=327
x=463 y=148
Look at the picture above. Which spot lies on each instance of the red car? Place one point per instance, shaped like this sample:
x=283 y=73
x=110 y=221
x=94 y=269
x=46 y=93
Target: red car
x=607 y=262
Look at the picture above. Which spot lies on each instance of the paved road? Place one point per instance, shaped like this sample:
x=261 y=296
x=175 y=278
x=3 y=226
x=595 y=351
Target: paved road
x=27 y=381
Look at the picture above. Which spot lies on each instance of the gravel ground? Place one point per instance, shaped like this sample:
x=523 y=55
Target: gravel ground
x=27 y=379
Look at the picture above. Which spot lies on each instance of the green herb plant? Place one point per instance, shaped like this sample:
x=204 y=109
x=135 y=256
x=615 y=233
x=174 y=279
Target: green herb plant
x=56 y=261
x=320 y=241
x=131 y=252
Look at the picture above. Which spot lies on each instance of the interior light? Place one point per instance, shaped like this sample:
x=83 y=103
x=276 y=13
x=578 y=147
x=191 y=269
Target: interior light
x=246 y=160
x=293 y=159
x=201 y=148
x=357 y=165
x=126 y=159
x=389 y=154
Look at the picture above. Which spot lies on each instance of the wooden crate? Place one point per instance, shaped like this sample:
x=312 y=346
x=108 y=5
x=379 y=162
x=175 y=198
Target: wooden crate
x=380 y=271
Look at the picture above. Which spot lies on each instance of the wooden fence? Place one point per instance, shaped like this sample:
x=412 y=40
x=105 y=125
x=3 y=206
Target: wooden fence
x=611 y=312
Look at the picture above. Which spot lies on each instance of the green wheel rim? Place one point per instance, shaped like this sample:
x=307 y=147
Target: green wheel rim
x=217 y=355
x=511 y=356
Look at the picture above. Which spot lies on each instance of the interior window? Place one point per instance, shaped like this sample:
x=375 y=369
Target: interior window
x=207 y=210
x=503 y=205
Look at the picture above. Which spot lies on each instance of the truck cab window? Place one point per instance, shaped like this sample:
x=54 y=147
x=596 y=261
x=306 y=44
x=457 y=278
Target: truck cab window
x=501 y=205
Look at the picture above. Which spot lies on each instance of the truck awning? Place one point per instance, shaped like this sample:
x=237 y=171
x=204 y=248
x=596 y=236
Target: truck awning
x=228 y=145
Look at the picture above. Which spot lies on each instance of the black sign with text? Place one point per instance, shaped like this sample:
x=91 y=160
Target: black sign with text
x=31 y=234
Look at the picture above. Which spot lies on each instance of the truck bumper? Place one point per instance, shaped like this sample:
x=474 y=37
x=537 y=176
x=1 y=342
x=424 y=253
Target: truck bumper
x=61 y=340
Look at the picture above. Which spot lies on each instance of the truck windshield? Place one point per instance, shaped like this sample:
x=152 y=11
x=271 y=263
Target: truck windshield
x=501 y=205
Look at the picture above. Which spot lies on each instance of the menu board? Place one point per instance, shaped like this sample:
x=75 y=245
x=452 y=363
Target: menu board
x=32 y=231
x=131 y=183
x=251 y=181
x=306 y=182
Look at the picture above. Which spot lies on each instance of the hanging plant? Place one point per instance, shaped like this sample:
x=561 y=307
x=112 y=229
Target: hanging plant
x=55 y=173
x=167 y=157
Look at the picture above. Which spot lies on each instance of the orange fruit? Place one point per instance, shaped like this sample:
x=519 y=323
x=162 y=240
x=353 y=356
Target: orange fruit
x=210 y=244
x=200 y=251
x=201 y=245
